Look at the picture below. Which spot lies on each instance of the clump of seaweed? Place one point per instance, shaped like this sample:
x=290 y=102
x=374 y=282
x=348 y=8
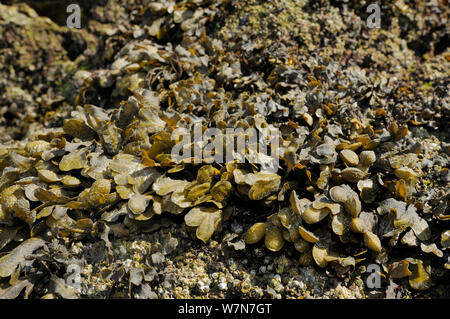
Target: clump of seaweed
x=354 y=183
